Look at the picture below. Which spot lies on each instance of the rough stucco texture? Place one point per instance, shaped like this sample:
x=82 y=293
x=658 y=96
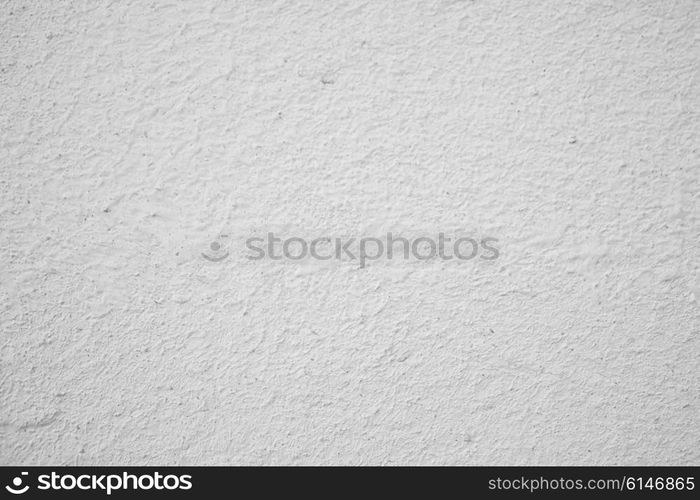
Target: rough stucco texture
x=135 y=133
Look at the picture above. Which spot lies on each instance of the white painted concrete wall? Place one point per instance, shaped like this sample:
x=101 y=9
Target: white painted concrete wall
x=135 y=133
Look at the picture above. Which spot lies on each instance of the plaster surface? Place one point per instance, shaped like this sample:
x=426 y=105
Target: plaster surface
x=133 y=134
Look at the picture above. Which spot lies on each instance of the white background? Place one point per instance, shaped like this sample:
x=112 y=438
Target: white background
x=133 y=134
